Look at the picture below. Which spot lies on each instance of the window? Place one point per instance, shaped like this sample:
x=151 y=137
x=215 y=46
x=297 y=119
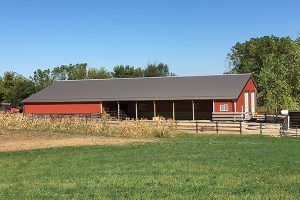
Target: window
x=224 y=107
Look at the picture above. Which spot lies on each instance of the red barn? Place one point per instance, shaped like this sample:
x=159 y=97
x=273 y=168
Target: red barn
x=188 y=97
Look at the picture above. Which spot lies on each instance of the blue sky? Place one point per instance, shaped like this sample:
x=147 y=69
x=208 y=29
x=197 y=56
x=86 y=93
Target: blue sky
x=192 y=37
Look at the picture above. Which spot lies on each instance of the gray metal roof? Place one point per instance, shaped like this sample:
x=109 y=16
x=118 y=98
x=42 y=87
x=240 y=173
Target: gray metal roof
x=143 y=89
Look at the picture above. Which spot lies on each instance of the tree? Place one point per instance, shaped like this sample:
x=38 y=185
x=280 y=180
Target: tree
x=157 y=70
x=272 y=57
x=70 y=72
x=41 y=79
x=101 y=73
x=16 y=88
x=276 y=91
x=127 y=71
x=59 y=73
x=77 y=71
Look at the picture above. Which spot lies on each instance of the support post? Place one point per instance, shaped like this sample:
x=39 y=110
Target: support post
x=118 y=111
x=213 y=106
x=154 y=109
x=234 y=107
x=173 y=105
x=193 y=107
x=240 y=128
x=101 y=107
x=288 y=122
x=260 y=128
x=136 y=111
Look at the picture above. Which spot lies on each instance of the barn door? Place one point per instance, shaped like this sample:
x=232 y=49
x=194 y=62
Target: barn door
x=246 y=102
x=252 y=102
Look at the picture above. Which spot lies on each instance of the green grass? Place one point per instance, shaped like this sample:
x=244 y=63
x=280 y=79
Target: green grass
x=202 y=167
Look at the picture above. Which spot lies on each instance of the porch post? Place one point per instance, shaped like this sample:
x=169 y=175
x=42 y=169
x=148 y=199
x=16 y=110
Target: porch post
x=234 y=104
x=101 y=107
x=193 y=106
x=173 y=104
x=136 y=111
x=213 y=102
x=118 y=110
x=234 y=107
x=154 y=109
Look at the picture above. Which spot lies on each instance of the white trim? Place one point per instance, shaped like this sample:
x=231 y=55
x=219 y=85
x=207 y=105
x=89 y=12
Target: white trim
x=246 y=101
x=234 y=106
x=136 y=110
x=226 y=108
x=173 y=105
x=252 y=97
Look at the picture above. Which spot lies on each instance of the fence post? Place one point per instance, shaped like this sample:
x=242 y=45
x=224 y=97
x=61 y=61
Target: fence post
x=260 y=128
x=196 y=126
x=217 y=127
x=265 y=114
x=240 y=128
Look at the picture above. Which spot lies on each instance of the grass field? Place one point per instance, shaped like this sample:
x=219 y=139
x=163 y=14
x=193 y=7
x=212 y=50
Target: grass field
x=220 y=167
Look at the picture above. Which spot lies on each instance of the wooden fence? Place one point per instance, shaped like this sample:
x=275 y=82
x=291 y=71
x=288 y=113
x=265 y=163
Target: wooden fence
x=292 y=130
x=228 y=127
x=203 y=126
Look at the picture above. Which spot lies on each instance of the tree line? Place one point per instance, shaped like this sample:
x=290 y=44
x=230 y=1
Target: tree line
x=15 y=87
x=275 y=65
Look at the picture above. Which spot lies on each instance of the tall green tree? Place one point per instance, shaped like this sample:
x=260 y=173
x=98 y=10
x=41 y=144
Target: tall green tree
x=157 y=70
x=275 y=65
x=16 y=88
x=276 y=91
x=102 y=73
x=70 y=72
x=127 y=71
x=41 y=79
x=77 y=71
x=60 y=73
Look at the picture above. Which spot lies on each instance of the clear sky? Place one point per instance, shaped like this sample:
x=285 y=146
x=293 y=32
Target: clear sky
x=192 y=36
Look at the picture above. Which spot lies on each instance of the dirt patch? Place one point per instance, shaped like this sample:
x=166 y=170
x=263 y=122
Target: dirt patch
x=18 y=141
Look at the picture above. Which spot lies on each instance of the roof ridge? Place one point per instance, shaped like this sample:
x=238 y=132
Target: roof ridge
x=159 y=77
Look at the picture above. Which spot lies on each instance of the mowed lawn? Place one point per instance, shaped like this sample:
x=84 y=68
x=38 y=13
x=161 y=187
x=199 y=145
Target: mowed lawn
x=200 y=167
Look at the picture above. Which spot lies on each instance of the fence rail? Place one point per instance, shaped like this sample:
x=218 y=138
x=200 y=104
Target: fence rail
x=228 y=127
x=201 y=126
x=292 y=129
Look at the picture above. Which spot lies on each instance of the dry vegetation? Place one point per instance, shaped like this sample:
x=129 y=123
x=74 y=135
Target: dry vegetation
x=75 y=125
x=11 y=141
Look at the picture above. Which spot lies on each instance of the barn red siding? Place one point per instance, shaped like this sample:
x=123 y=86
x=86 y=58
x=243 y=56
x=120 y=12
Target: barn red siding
x=240 y=103
x=219 y=103
x=62 y=108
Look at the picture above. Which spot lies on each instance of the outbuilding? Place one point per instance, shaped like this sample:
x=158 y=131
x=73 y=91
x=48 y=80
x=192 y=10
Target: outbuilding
x=175 y=97
x=294 y=118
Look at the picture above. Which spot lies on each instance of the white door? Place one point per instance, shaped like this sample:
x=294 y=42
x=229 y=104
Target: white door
x=252 y=102
x=246 y=102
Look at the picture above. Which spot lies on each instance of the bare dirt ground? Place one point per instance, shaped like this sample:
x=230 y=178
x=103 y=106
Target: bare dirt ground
x=18 y=141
